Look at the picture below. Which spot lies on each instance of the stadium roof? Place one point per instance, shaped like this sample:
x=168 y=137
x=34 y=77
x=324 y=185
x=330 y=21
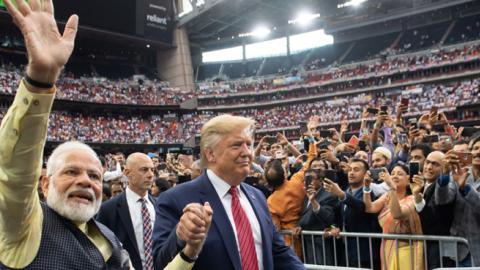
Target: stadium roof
x=217 y=23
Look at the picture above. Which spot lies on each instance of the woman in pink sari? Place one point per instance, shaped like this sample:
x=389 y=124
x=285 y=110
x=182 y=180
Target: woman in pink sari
x=397 y=215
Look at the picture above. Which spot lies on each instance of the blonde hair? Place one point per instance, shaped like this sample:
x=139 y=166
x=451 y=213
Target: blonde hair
x=219 y=126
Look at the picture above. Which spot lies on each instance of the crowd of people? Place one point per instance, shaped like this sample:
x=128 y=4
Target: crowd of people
x=140 y=91
x=375 y=67
x=154 y=129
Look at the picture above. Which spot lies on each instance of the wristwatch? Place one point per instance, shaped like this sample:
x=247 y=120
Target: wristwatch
x=186 y=258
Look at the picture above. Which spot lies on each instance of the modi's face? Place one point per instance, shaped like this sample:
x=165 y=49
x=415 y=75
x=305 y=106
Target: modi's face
x=75 y=189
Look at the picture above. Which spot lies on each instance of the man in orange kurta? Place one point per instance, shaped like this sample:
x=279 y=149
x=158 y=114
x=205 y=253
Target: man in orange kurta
x=286 y=202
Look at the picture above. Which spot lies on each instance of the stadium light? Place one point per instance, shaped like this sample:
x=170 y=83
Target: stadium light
x=354 y=3
x=304 y=18
x=257 y=32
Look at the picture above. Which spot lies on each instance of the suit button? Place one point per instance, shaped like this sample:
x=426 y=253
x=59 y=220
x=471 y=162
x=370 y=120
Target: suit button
x=36 y=102
x=25 y=101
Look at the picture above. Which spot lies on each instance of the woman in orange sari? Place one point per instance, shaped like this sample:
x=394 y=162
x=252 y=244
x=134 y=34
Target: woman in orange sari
x=397 y=215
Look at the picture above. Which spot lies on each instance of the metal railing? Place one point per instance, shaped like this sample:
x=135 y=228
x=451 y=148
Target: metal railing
x=333 y=256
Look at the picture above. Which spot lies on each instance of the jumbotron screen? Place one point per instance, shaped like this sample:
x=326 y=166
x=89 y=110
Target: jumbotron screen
x=151 y=19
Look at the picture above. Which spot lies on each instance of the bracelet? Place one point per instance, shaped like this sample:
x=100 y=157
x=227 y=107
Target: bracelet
x=367 y=190
x=37 y=84
x=186 y=258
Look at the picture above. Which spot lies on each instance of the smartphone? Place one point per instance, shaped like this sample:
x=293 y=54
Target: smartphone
x=303 y=127
x=306 y=144
x=434 y=109
x=331 y=175
x=271 y=139
x=413 y=122
x=384 y=109
x=375 y=173
x=353 y=141
x=465 y=158
x=362 y=145
x=372 y=110
x=402 y=138
x=405 y=101
x=325 y=133
x=430 y=138
x=469 y=131
x=323 y=145
x=308 y=181
x=414 y=169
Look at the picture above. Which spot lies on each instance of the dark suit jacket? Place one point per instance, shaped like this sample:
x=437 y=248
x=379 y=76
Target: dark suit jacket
x=436 y=219
x=324 y=218
x=115 y=215
x=355 y=219
x=220 y=248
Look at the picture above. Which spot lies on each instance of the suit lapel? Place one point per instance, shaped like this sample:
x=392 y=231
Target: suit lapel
x=220 y=220
x=124 y=213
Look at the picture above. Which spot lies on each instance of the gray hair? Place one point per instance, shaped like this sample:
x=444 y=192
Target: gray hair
x=56 y=158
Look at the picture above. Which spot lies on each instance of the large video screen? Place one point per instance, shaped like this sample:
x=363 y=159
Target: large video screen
x=152 y=19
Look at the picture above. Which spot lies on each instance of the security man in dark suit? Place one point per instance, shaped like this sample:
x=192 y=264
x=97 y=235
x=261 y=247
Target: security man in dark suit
x=131 y=215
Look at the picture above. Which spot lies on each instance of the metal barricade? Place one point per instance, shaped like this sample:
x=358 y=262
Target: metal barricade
x=447 y=247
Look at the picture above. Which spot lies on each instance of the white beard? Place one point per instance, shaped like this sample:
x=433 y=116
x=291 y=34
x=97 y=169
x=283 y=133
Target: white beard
x=76 y=212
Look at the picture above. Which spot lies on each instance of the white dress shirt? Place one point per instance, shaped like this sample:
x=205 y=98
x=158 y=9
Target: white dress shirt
x=135 y=209
x=222 y=188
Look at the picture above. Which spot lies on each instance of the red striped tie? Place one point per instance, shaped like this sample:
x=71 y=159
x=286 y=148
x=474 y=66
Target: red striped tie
x=244 y=234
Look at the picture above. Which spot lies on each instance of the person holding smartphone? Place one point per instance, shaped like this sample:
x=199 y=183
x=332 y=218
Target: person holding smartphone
x=436 y=219
x=462 y=187
x=396 y=214
x=286 y=201
x=318 y=215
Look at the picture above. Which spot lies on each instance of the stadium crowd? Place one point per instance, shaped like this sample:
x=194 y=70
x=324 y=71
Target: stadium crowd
x=102 y=90
x=375 y=67
x=153 y=129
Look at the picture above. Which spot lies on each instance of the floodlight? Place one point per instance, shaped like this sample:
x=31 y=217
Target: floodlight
x=304 y=18
x=261 y=32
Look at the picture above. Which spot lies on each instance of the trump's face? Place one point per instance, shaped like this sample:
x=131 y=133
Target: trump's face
x=232 y=156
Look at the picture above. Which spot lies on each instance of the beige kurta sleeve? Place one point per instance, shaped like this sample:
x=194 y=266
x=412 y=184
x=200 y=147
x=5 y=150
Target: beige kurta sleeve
x=22 y=137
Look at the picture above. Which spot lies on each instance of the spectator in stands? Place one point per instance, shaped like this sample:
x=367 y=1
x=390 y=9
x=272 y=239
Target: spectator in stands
x=286 y=201
x=418 y=153
x=318 y=214
x=160 y=185
x=353 y=215
x=196 y=169
x=463 y=188
x=116 y=188
x=397 y=215
x=435 y=219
